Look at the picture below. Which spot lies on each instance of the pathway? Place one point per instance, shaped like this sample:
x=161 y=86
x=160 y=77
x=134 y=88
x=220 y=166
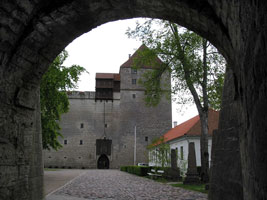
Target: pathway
x=117 y=185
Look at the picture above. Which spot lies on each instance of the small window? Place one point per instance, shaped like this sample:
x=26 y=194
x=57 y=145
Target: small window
x=106 y=125
x=65 y=157
x=134 y=81
x=146 y=138
x=134 y=71
x=65 y=142
x=81 y=142
x=134 y=95
x=81 y=125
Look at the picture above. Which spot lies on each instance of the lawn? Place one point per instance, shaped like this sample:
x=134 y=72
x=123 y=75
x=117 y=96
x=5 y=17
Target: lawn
x=51 y=169
x=198 y=188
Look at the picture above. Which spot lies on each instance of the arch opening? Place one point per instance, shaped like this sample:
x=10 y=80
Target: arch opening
x=103 y=162
x=34 y=39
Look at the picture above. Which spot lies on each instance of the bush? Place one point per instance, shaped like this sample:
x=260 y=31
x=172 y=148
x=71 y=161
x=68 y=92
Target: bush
x=137 y=170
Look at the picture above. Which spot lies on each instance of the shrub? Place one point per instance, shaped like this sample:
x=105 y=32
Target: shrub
x=137 y=170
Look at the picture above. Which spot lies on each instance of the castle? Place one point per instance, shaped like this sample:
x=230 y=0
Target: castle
x=112 y=126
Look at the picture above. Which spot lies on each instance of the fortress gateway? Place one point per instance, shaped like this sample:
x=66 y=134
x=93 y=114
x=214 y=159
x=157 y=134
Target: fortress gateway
x=99 y=129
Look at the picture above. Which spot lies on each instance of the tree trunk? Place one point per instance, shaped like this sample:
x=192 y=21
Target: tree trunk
x=204 y=147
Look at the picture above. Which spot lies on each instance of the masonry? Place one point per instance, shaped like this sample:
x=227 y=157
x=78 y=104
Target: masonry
x=34 y=32
x=111 y=113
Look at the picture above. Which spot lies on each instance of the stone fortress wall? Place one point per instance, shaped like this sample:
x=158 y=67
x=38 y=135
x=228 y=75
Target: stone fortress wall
x=89 y=119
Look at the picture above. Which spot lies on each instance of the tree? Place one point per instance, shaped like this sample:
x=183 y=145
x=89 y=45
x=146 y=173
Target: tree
x=159 y=152
x=195 y=65
x=54 y=101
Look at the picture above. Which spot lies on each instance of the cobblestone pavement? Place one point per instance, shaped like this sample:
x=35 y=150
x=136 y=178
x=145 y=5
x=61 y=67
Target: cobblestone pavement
x=56 y=178
x=114 y=184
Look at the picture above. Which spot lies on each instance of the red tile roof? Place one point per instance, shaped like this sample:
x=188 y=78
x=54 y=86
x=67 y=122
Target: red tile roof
x=129 y=63
x=192 y=127
x=107 y=76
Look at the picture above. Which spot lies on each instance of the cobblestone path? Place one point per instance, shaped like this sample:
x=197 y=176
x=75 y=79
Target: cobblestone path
x=114 y=184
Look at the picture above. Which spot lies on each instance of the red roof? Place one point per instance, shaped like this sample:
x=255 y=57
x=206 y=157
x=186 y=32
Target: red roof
x=192 y=127
x=107 y=76
x=129 y=63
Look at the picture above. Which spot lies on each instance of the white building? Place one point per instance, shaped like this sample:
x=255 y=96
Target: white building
x=179 y=137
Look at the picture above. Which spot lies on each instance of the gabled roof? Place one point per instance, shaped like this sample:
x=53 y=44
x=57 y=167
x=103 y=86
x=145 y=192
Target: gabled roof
x=129 y=63
x=192 y=127
x=107 y=76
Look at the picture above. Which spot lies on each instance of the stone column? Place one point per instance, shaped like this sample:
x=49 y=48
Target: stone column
x=192 y=176
x=174 y=172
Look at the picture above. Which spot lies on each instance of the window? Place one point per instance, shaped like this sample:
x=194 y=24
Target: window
x=134 y=95
x=65 y=142
x=81 y=142
x=106 y=125
x=146 y=138
x=134 y=81
x=81 y=125
x=182 y=152
x=134 y=71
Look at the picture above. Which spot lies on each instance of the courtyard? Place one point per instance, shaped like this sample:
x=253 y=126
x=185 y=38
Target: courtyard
x=108 y=185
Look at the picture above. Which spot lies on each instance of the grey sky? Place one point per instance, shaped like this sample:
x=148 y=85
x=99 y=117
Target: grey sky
x=105 y=49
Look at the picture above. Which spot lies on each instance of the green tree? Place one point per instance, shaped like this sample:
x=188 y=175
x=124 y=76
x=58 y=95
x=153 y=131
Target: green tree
x=54 y=101
x=159 y=152
x=195 y=65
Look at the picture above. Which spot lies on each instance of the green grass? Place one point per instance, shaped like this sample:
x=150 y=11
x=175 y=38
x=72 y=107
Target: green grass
x=198 y=188
x=51 y=169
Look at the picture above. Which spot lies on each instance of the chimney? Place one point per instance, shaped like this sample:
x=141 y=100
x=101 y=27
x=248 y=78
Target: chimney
x=129 y=55
x=174 y=124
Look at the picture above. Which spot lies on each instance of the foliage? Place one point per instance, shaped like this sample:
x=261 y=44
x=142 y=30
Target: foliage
x=182 y=164
x=54 y=101
x=159 y=152
x=137 y=170
x=196 y=67
x=181 y=53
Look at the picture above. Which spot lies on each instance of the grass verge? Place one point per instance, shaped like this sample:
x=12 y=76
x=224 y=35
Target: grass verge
x=198 y=188
x=51 y=169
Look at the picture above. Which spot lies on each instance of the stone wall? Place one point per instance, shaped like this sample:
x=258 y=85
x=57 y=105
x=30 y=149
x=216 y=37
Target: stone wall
x=85 y=121
x=32 y=33
x=226 y=180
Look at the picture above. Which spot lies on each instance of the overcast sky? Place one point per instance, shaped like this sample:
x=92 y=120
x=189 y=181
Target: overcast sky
x=105 y=49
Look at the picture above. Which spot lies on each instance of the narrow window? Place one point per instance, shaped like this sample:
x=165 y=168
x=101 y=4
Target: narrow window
x=134 y=95
x=65 y=142
x=182 y=152
x=81 y=125
x=134 y=71
x=106 y=125
x=134 y=81
x=81 y=142
x=146 y=138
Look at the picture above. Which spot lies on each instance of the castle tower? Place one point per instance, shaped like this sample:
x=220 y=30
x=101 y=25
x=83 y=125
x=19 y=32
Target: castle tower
x=150 y=122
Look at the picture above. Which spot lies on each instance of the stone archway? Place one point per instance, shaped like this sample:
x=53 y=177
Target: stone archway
x=103 y=162
x=32 y=33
